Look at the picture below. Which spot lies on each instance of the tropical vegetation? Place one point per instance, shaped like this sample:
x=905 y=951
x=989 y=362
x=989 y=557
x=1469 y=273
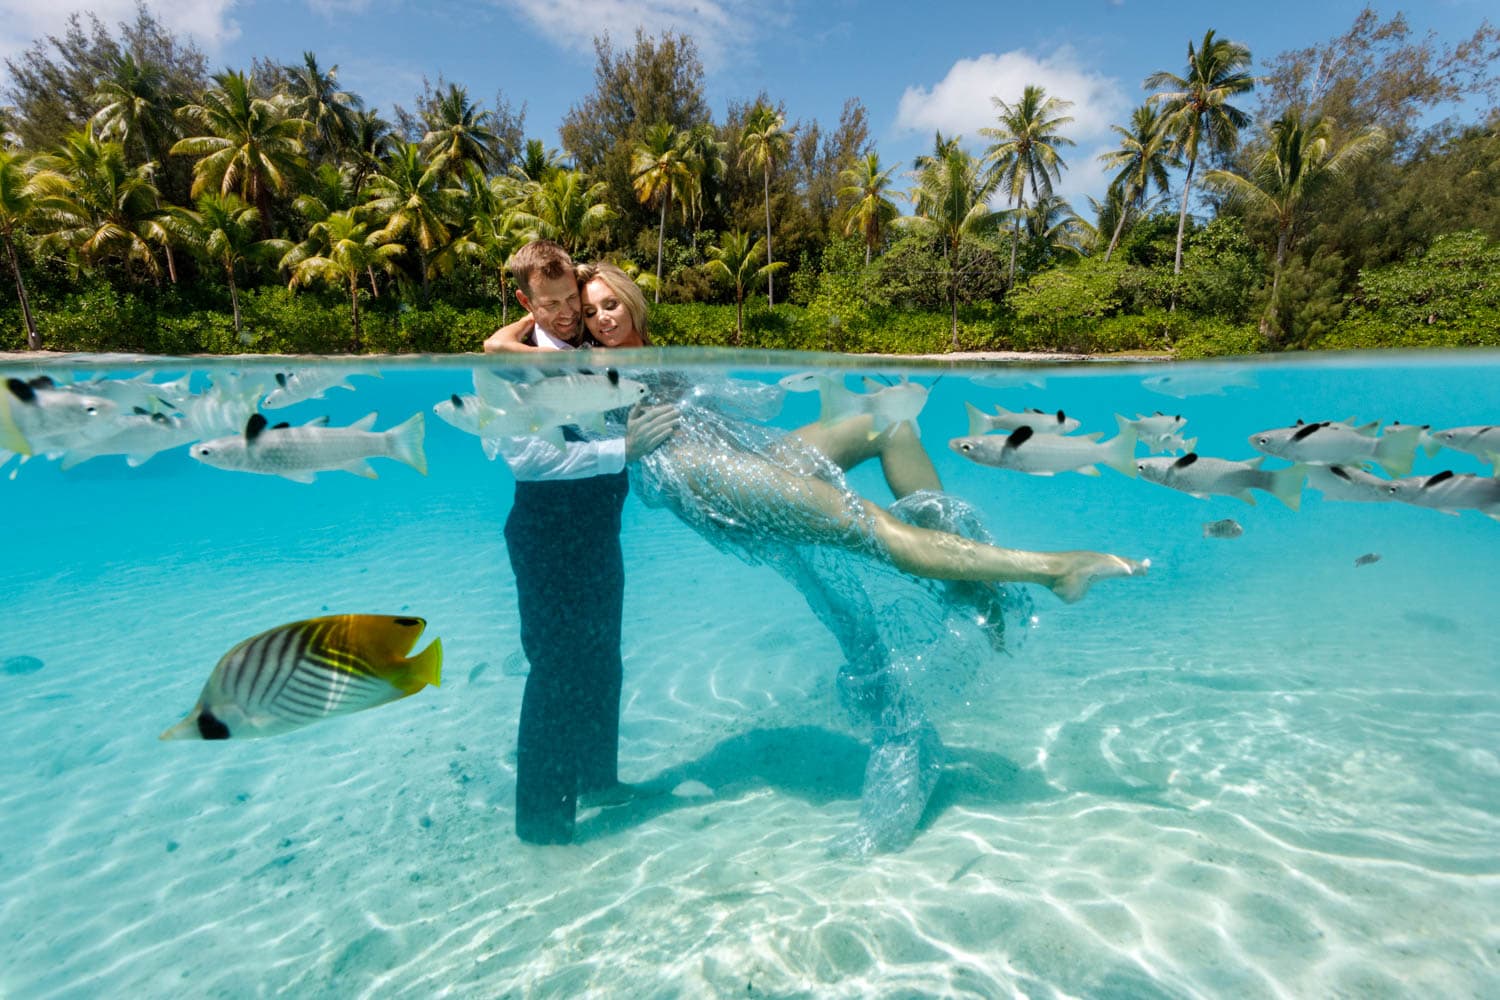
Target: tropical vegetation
x=1314 y=199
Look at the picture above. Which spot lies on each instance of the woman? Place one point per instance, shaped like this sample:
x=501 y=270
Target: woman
x=724 y=476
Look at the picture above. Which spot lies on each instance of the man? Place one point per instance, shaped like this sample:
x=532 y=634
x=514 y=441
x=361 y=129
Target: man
x=563 y=536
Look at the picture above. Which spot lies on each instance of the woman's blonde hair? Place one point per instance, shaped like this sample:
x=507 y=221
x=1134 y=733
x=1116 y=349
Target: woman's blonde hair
x=625 y=289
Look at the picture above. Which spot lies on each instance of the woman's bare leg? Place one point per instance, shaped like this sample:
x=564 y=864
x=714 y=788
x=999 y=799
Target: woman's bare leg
x=848 y=442
x=742 y=484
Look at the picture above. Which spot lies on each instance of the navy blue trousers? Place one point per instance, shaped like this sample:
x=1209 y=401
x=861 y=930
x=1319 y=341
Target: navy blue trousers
x=564 y=542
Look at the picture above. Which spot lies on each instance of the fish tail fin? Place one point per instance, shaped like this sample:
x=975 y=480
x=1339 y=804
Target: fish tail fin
x=406 y=442
x=1122 y=449
x=835 y=399
x=1190 y=444
x=1286 y=485
x=1397 y=449
x=979 y=421
x=421 y=670
x=11 y=438
x=187 y=729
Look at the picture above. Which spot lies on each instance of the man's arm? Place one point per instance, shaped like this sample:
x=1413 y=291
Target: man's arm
x=512 y=338
x=533 y=459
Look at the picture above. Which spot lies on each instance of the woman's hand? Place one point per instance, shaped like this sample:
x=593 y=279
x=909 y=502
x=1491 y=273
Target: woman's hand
x=512 y=337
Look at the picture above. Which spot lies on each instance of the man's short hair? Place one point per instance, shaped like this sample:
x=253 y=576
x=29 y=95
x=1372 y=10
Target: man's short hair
x=539 y=259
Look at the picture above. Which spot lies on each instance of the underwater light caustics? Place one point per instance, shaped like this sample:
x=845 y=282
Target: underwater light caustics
x=300 y=673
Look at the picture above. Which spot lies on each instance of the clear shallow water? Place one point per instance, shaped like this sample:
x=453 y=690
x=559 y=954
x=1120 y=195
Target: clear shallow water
x=1259 y=771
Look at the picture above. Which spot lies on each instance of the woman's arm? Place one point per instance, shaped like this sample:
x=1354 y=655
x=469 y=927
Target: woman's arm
x=512 y=338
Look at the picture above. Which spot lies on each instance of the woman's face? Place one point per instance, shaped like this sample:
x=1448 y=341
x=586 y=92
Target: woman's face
x=606 y=316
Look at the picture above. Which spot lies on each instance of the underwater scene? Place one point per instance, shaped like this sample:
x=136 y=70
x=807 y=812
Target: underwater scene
x=1145 y=680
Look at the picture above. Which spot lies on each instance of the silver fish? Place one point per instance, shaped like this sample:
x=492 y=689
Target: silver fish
x=1024 y=450
x=1450 y=493
x=886 y=404
x=1008 y=420
x=1348 y=483
x=1481 y=441
x=1202 y=477
x=580 y=399
x=1161 y=433
x=1337 y=443
x=297 y=453
x=1182 y=384
x=1367 y=559
x=38 y=417
x=297 y=674
x=310 y=383
x=1227 y=528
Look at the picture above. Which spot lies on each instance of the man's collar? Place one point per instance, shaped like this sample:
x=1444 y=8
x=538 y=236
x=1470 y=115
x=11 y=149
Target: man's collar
x=548 y=340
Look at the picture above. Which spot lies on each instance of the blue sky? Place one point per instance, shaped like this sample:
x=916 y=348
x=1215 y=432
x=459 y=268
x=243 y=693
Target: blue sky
x=915 y=66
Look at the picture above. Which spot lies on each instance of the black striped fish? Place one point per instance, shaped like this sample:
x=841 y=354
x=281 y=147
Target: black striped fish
x=299 y=673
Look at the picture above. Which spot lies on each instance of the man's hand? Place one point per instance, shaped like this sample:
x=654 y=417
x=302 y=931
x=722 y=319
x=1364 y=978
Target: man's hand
x=646 y=428
x=512 y=337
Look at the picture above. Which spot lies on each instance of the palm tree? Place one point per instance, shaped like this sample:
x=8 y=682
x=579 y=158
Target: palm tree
x=1300 y=158
x=764 y=140
x=536 y=162
x=1197 y=109
x=704 y=156
x=567 y=208
x=369 y=145
x=1052 y=223
x=353 y=250
x=1140 y=163
x=223 y=231
x=497 y=228
x=411 y=195
x=17 y=208
x=135 y=109
x=329 y=112
x=658 y=166
x=252 y=147
x=99 y=206
x=737 y=261
x=459 y=132
x=870 y=211
x=951 y=202
x=1025 y=151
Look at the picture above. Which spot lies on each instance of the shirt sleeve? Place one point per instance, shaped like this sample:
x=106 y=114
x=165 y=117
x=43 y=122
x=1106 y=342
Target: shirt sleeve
x=532 y=459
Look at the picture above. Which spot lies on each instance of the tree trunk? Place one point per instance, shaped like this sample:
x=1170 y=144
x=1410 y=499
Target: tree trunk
x=167 y=246
x=770 y=278
x=234 y=303
x=504 y=298
x=1114 y=240
x=953 y=308
x=661 y=233
x=1187 y=188
x=374 y=289
x=33 y=339
x=739 y=315
x=354 y=309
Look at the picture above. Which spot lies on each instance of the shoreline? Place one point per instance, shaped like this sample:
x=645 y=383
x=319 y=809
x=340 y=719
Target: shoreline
x=960 y=357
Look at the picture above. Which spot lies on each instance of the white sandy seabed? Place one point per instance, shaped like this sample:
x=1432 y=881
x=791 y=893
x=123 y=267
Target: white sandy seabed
x=1152 y=798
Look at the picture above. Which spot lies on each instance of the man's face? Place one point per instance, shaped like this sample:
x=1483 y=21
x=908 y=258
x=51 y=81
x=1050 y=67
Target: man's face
x=555 y=305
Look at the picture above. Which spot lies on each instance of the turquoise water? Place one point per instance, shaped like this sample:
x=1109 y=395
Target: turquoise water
x=1261 y=770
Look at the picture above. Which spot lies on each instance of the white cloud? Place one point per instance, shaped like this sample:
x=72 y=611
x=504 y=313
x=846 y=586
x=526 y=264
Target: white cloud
x=719 y=27
x=960 y=104
x=206 y=22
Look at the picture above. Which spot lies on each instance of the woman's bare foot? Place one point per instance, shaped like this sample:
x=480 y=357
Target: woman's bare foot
x=1091 y=566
